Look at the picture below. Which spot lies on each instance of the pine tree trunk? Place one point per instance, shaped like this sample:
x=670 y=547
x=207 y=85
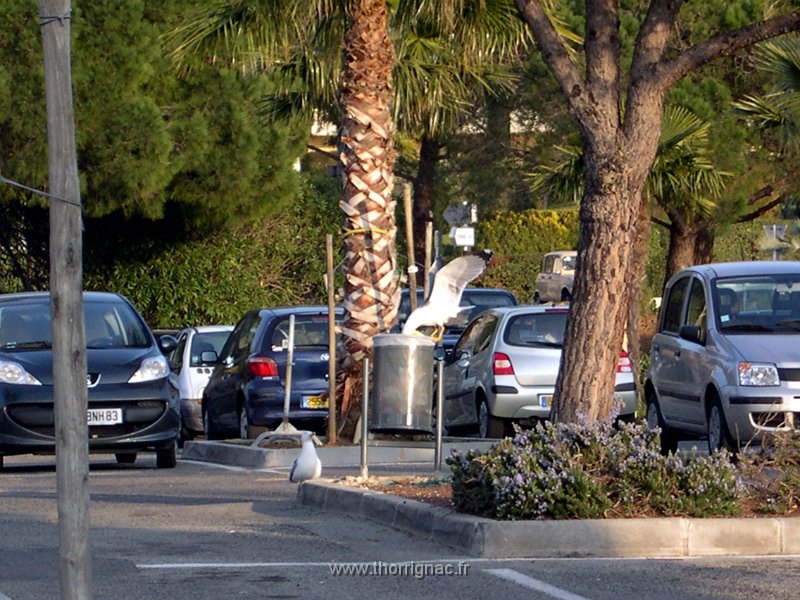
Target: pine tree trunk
x=608 y=221
x=423 y=194
x=367 y=155
x=681 y=246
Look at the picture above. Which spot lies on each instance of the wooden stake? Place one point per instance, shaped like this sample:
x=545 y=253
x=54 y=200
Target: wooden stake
x=331 y=339
x=412 y=265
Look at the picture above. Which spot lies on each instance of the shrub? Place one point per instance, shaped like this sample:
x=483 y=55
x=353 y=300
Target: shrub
x=773 y=474
x=590 y=470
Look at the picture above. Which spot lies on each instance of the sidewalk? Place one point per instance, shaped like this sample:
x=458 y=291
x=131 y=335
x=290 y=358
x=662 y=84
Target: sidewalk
x=487 y=538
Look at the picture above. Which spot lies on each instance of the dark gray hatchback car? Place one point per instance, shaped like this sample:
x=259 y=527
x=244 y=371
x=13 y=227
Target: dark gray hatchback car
x=131 y=406
x=725 y=360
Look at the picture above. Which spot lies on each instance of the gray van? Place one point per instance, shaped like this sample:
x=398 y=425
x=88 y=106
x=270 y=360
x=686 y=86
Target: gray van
x=725 y=360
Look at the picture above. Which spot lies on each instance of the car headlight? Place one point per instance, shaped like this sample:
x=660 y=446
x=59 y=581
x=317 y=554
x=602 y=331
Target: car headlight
x=152 y=368
x=11 y=372
x=758 y=374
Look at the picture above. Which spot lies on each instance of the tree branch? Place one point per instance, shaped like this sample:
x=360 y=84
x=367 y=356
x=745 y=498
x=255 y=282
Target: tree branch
x=669 y=72
x=653 y=36
x=602 y=56
x=555 y=55
x=760 y=211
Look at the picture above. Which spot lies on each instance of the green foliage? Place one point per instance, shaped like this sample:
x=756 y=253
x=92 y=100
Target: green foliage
x=519 y=240
x=591 y=470
x=773 y=473
x=277 y=260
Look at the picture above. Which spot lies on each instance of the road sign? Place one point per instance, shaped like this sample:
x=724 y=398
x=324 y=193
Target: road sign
x=457 y=214
x=463 y=236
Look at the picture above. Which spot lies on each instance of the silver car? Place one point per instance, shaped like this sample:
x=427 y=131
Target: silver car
x=725 y=360
x=503 y=369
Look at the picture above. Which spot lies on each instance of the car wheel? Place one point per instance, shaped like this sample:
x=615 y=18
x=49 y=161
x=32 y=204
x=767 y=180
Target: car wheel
x=208 y=427
x=719 y=437
x=125 y=458
x=565 y=295
x=668 y=439
x=166 y=458
x=489 y=426
x=244 y=424
x=536 y=298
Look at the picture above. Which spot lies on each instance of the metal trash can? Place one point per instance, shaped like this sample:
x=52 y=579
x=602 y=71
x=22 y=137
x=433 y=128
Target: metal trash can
x=402 y=384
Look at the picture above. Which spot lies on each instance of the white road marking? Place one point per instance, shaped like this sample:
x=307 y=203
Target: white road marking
x=282 y=471
x=534 y=584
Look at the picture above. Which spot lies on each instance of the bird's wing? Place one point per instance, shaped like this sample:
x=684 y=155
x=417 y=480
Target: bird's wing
x=452 y=278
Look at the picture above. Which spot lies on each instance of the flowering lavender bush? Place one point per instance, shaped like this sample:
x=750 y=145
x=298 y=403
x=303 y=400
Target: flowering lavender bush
x=590 y=470
x=772 y=473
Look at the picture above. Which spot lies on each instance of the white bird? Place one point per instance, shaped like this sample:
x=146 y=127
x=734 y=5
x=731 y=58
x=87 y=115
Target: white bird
x=444 y=302
x=307 y=465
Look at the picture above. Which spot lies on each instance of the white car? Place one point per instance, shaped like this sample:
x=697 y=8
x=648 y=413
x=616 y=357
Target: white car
x=191 y=364
x=554 y=281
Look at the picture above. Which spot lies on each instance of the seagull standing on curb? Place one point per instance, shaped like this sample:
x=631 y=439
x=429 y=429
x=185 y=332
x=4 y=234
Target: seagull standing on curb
x=444 y=302
x=307 y=465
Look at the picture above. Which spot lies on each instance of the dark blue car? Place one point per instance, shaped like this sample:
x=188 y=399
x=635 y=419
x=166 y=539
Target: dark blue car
x=246 y=391
x=131 y=406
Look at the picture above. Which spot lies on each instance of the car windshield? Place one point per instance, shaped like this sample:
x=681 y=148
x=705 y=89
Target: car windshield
x=536 y=329
x=568 y=264
x=208 y=341
x=26 y=325
x=760 y=304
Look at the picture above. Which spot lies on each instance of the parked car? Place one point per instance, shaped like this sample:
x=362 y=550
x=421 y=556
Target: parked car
x=555 y=279
x=479 y=299
x=246 y=390
x=725 y=359
x=190 y=366
x=503 y=369
x=131 y=407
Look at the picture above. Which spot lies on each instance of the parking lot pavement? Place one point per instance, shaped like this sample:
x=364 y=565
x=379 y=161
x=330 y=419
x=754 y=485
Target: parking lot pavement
x=479 y=537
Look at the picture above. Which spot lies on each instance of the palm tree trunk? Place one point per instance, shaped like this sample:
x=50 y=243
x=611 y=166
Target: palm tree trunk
x=423 y=193
x=367 y=155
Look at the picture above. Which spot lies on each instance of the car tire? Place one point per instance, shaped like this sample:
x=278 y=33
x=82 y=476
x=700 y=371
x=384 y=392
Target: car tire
x=489 y=426
x=125 y=458
x=719 y=438
x=167 y=457
x=536 y=298
x=668 y=441
x=566 y=296
x=244 y=423
x=209 y=429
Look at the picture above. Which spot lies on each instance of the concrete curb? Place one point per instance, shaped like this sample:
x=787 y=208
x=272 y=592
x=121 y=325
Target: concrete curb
x=243 y=455
x=599 y=538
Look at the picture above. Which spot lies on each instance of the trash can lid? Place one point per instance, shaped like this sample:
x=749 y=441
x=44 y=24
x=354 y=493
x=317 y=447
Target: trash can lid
x=399 y=339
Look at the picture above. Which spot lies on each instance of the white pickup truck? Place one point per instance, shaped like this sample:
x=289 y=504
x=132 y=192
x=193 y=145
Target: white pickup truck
x=554 y=282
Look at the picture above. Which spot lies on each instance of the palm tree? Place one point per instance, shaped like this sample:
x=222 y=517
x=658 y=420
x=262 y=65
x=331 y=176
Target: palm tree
x=299 y=43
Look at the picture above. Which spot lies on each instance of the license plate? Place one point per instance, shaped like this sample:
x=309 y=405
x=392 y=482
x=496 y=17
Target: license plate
x=545 y=400
x=104 y=416
x=314 y=402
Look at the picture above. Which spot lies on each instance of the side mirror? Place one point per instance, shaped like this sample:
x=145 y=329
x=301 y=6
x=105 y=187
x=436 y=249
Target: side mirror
x=208 y=357
x=692 y=333
x=167 y=343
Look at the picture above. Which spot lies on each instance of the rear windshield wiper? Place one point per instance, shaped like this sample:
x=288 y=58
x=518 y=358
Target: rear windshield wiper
x=544 y=343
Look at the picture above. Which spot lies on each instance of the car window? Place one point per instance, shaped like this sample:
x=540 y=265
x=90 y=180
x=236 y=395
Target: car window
x=25 y=325
x=549 y=264
x=176 y=357
x=238 y=343
x=483 y=336
x=696 y=313
x=673 y=308
x=568 y=264
x=207 y=341
x=309 y=330
x=113 y=325
x=466 y=343
x=536 y=329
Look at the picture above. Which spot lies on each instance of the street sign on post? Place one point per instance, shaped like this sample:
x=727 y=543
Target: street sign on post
x=775 y=231
x=463 y=236
x=457 y=214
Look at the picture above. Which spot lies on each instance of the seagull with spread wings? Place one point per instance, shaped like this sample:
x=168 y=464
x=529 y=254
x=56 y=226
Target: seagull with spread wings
x=444 y=302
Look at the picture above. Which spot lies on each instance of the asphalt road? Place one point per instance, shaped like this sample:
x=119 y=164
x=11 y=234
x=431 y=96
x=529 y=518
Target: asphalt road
x=204 y=532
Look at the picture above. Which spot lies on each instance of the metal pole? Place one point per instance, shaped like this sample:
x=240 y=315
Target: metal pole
x=437 y=451
x=289 y=361
x=331 y=340
x=364 y=418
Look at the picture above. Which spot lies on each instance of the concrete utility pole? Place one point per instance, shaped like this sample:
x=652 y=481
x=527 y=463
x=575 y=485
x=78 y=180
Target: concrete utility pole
x=66 y=306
